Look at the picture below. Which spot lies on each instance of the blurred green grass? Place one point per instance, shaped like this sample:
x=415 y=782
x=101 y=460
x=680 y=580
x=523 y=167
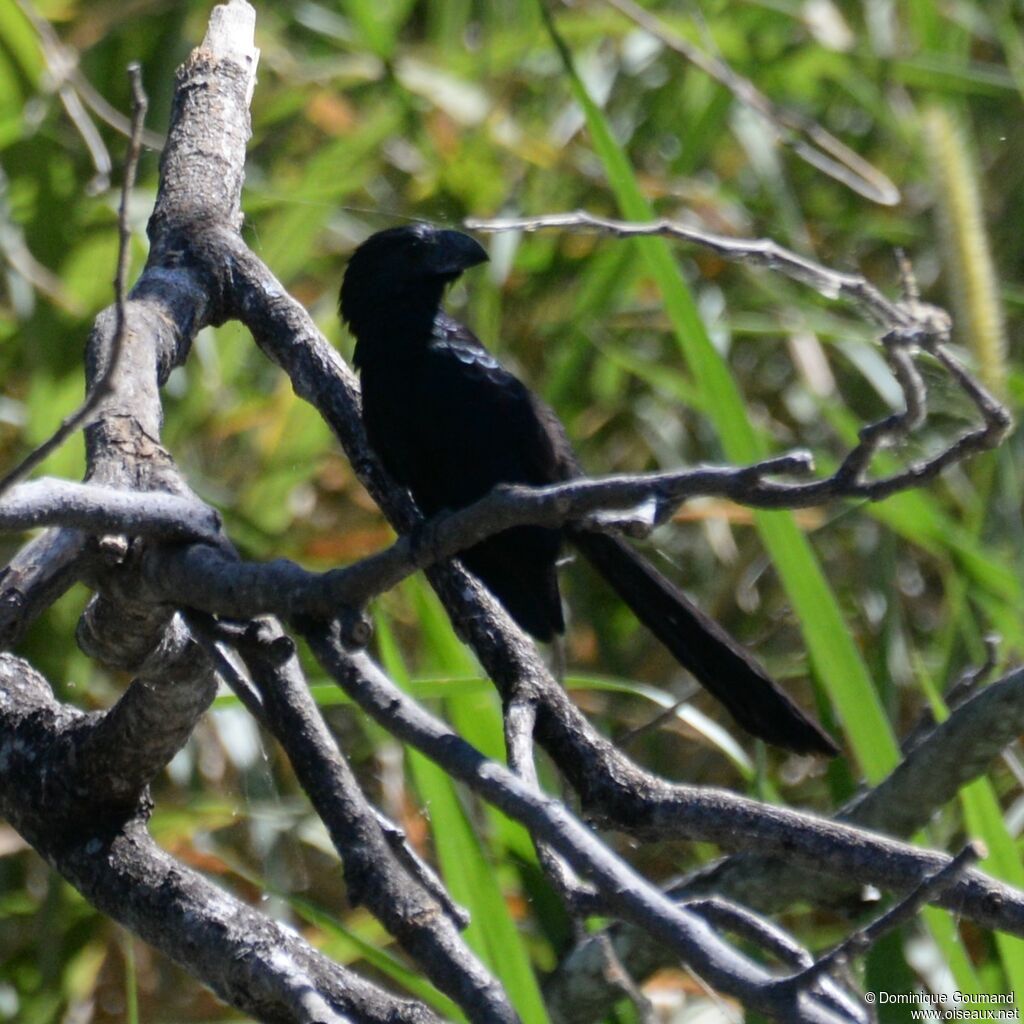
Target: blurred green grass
x=653 y=356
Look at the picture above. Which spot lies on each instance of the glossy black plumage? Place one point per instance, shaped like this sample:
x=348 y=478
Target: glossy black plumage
x=449 y=422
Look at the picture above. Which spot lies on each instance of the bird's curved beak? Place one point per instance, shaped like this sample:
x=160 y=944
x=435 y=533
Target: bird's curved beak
x=453 y=252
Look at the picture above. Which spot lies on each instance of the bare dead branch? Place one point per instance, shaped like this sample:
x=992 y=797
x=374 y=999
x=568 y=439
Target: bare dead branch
x=199 y=271
x=763 y=252
x=933 y=770
x=37 y=576
x=808 y=139
x=612 y=789
x=283 y=588
x=666 y=810
x=219 y=640
x=581 y=900
x=235 y=951
x=627 y=893
x=678 y=811
x=427 y=928
x=770 y=937
x=129 y=745
x=102 y=387
x=908 y=323
x=262 y=968
x=956 y=751
x=95 y=509
x=618 y=975
x=216 y=639
x=899 y=913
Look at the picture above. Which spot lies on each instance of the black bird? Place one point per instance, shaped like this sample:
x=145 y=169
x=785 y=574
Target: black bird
x=450 y=423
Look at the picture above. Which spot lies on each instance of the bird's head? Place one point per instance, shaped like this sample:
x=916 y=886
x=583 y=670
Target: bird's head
x=401 y=273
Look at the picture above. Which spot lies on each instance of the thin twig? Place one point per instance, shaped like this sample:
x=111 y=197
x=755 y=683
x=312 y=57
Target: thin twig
x=969 y=681
x=627 y=894
x=208 y=633
x=808 y=139
x=770 y=937
x=653 y=724
x=732 y=917
x=617 y=974
x=961 y=689
x=907 y=322
x=899 y=913
x=580 y=899
x=760 y=252
x=103 y=387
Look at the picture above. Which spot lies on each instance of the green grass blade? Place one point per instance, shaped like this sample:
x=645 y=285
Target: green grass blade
x=835 y=658
x=984 y=820
x=476 y=716
x=467 y=870
x=696 y=720
x=20 y=39
x=346 y=944
x=415 y=984
x=131 y=980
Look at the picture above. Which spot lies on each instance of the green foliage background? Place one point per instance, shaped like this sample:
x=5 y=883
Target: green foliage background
x=654 y=355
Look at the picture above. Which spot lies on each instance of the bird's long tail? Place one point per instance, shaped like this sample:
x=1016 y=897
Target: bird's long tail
x=703 y=647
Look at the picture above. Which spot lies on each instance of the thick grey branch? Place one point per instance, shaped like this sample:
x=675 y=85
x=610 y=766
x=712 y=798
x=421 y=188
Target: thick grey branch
x=200 y=272
x=201 y=183
x=250 y=961
x=955 y=752
x=131 y=351
x=95 y=509
x=611 y=787
x=374 y=876
x=36 y=577
x=626 y=893
x=664 y=810
x=129 y=745
x=951 y=755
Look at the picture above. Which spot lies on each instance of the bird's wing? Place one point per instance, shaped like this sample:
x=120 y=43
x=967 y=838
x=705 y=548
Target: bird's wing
x=478 y=426
x=481 y=425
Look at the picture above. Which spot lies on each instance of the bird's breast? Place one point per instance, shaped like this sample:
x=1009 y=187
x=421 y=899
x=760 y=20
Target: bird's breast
x=388 y=395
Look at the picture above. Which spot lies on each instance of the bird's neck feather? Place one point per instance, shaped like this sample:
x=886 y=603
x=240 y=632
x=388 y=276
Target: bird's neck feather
x=394 y=327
